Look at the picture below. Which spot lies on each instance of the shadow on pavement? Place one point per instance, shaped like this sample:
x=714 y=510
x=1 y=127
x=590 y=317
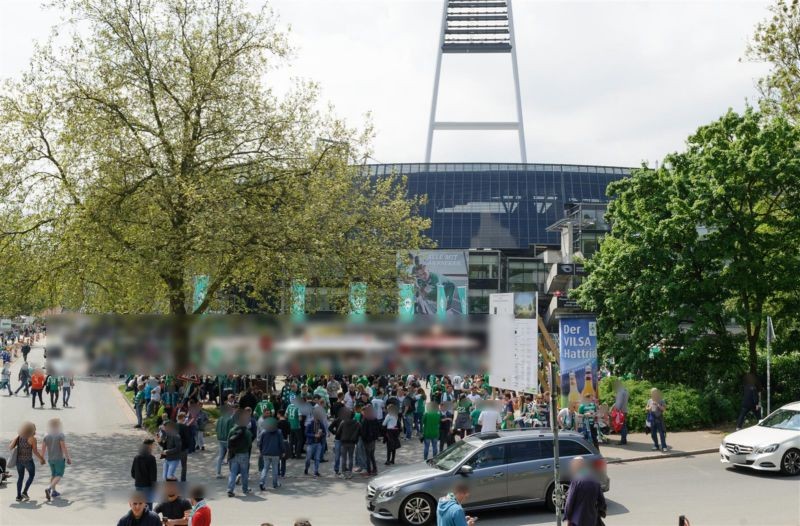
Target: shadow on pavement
x=772 y=475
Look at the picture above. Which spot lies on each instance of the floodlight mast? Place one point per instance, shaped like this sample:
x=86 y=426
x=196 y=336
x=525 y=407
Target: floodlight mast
x=477 y=26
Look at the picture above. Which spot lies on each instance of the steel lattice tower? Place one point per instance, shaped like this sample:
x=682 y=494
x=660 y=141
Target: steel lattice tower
x=477 y=26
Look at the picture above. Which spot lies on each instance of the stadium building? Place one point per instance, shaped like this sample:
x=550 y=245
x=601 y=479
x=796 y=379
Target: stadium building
x=525 y=227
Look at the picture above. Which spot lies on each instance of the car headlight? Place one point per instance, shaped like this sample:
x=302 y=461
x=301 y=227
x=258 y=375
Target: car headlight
x=772 y=448
x=387 y=493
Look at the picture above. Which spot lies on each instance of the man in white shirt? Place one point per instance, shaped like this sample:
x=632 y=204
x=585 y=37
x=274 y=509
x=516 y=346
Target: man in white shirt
x=489 y=419
x=458 y=385
x=474 y=397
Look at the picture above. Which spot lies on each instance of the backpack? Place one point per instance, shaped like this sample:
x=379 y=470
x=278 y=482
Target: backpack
x=37 y=381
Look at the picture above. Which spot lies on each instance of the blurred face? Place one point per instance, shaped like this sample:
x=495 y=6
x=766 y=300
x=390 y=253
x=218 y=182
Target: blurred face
x=137 y=507
x=461 y=495
x=171 y=490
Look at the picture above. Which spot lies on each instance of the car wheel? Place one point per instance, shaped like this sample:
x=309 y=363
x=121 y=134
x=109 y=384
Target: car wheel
x=418 y=510
x=550 y=498
x=790 y=464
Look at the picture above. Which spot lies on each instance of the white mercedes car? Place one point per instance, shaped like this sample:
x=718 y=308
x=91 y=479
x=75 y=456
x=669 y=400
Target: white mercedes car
x=771 y=445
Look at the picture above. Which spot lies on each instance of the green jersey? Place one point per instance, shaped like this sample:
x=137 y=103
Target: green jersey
x=261 y=406
x=589 y=409
x=293 y=416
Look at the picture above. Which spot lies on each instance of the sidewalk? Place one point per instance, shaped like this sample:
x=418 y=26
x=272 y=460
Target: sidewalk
x=683 y=443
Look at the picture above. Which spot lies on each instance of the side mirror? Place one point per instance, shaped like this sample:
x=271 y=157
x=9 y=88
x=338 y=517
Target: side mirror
x=465 y=470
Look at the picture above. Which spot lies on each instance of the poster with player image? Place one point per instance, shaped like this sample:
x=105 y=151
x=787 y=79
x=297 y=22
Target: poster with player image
x=436 y=276
x=577 y=343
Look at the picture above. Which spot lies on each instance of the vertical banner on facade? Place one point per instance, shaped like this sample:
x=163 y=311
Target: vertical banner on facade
x=441 y=302
x=405 y=306
x=462 y=300
x=577 y=343
x=513 y=342
x=358 y=300
x=200 y=289
x=298 y=308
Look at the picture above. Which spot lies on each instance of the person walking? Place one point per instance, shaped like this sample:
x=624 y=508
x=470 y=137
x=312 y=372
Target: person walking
x=54 y=446
x=67 y=383
x=5 y=379
x=391 y=425
x=655 y=411
x=138 y=405
x=25 y=444
x=749 y=400
x=139 y=515
x=187 y=435
x=144 y=471
x=431 y=422
x=24 y=378
x=585 y=504
x=449 y=510
x=171 y=450
x=223 y=429
x=621 y=405
x=270 y=446
x=37 y=386
x=295 y=428
x=315 y=437
x=53 y=387
x=370 y=432
x=347 y=433
x=240 y=441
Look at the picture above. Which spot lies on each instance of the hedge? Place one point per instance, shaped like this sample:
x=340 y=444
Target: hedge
x=687 y=408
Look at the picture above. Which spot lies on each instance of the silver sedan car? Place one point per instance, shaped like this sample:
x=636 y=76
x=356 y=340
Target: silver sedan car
x=504 y=468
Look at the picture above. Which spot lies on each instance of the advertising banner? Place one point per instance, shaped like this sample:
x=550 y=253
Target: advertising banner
x=405 y=307
x=513 y=341
x=462 y=300
x=577 y=343
x=298 y=309
x=358 y=300
x=441 y=302
x=426 y=270
x=200 y=288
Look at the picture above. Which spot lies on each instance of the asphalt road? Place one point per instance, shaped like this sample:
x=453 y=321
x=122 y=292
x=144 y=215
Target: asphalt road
x=102 y=442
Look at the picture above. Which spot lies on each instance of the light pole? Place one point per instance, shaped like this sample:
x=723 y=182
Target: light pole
x=558 y=497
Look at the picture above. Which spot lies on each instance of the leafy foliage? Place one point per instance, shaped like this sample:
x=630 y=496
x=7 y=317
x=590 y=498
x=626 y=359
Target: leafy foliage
x=698 y=246
x=151 y=149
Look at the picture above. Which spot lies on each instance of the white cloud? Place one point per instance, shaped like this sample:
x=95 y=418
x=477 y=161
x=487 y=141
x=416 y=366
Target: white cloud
x=602 y=82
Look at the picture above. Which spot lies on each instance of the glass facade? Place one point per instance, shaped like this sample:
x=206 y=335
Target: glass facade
x=500 y=206
x=526 y=275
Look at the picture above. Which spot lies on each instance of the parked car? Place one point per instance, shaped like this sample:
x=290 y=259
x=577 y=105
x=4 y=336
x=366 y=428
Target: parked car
x=505 y=468
x=771 y=445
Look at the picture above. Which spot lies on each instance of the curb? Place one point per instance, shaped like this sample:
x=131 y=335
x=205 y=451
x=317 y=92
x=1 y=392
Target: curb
x=664 y=455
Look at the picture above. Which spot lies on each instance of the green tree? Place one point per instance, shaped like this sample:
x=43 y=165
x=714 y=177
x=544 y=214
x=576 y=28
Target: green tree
x=776 y=42
x=701 y=244
x=151 y=149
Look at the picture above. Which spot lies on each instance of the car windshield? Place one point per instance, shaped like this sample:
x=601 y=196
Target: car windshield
x=783 y=419
x=452 y=456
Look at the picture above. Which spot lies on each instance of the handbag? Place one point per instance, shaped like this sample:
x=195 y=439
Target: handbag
x=649 y=421
x=12 y=460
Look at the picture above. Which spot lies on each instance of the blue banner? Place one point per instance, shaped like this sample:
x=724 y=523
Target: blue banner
x=577 y=342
